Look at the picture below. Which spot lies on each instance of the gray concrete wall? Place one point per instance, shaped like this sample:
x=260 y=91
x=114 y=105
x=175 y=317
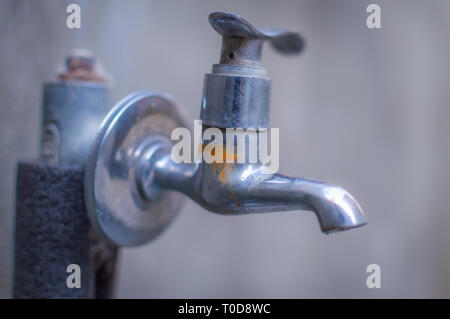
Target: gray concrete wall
x=366 y=109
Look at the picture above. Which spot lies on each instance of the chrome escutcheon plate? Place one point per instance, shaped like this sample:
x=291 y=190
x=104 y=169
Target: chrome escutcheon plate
x=116 y=208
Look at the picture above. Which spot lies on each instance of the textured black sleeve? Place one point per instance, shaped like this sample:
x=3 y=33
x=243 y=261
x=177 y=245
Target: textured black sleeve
x=52 y=232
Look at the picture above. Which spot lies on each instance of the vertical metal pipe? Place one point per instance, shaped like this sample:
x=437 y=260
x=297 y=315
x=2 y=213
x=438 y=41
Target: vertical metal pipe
x=72 y=111
x=52 y=227
x=71 y=115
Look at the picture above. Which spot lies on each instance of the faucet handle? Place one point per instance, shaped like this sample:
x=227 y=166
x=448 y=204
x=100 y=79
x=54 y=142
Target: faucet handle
x=242 y=42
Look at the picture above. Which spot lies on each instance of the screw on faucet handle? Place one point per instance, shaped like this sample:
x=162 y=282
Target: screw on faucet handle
x=242 y=42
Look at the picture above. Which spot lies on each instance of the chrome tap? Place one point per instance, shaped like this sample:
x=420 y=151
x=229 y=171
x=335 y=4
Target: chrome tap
x=133 y=185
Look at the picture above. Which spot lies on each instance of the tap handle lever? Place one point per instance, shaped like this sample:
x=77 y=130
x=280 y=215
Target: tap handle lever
x=242 y=42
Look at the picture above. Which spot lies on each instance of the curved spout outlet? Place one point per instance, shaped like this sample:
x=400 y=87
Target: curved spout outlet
x=334 y=207
x=235 y=189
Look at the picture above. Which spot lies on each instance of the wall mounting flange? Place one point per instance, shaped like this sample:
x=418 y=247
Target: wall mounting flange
x=136 y=127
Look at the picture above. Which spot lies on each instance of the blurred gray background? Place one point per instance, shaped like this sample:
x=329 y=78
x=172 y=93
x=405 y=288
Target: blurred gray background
x=365 y=109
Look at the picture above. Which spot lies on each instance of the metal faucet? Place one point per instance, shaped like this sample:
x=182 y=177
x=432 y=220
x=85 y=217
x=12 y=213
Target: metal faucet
x=133 y=187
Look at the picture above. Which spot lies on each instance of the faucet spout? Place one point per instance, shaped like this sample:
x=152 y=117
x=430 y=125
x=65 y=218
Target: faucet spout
x=236 y=189
x=335 y=208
